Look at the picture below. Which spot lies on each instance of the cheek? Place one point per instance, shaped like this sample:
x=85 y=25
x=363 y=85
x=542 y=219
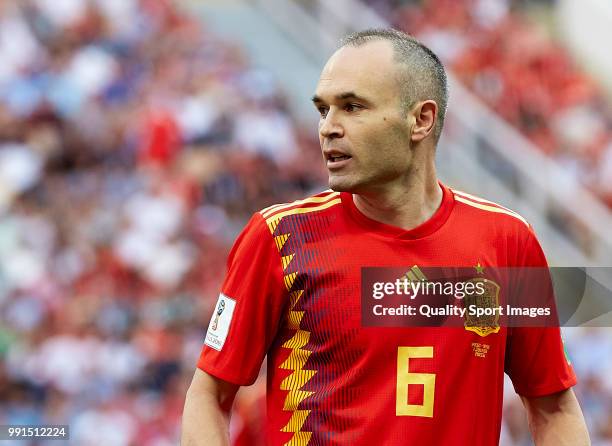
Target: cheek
x=379 y=138
x=388 y=145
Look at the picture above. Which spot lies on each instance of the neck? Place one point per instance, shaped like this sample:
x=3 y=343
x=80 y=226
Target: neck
x=405 y=204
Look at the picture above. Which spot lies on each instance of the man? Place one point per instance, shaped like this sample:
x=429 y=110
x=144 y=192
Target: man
x=293 y=285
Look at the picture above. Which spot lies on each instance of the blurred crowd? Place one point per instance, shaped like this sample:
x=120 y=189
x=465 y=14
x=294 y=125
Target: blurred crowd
x=514 y=65
x=134 y=145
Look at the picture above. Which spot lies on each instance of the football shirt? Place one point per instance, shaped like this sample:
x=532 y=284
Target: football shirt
x=292 y=291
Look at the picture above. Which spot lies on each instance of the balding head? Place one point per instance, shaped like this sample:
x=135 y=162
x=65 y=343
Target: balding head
x=421 y=74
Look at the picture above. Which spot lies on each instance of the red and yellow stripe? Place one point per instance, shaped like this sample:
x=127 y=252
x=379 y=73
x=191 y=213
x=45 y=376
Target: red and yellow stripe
x=486 y=205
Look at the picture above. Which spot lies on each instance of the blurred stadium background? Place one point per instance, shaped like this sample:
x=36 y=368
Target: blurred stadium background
x=137 y=137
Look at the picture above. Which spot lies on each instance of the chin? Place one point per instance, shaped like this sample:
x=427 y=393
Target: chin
x=341 y=185
x=344 y=186
x=347 y=183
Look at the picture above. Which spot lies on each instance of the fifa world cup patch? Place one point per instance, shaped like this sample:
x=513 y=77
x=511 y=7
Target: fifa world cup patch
x=220 y=322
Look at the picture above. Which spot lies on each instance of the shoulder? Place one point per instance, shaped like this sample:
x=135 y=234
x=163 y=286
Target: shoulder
x=318 y=203
x=482 y=210
x=502 y=227
x=263 y=224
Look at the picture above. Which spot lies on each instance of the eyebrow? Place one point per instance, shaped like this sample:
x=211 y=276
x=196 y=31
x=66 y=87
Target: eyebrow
x=341 y=97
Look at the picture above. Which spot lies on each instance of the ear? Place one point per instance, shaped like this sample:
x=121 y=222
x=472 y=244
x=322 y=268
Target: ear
x=424 y=115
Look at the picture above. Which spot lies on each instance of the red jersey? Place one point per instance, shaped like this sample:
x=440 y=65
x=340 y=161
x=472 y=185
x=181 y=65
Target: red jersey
x=292 y=292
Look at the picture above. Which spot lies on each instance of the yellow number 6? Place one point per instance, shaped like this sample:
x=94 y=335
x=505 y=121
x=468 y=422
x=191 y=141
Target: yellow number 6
x=404 y=378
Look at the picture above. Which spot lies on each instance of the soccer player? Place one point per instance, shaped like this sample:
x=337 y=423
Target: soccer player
x=292 y=290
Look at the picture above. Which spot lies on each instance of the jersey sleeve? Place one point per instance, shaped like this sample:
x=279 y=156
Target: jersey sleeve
x=535 y=357
x=247 y=315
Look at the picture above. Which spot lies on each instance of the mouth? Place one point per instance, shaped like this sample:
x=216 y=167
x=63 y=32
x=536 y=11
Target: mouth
x=336 y=160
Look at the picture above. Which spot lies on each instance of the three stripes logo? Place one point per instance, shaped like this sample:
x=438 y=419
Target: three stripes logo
x=413 y=275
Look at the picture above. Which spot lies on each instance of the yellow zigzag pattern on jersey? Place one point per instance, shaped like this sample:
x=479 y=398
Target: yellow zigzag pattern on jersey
x=299 y=355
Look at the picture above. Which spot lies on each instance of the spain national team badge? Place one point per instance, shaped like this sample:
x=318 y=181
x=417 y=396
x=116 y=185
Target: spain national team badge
x=485 y=321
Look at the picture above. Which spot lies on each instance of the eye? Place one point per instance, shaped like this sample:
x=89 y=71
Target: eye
x=351 y=107
x=322 y=111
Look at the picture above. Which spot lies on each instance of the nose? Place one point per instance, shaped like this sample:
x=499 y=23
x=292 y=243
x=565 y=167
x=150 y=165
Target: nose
x=329 y=127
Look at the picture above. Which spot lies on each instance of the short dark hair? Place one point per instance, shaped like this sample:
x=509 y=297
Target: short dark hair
x=424 y=76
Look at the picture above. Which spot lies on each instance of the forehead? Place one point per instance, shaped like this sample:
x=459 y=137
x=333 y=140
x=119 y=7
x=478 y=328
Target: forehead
x=368 y=69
